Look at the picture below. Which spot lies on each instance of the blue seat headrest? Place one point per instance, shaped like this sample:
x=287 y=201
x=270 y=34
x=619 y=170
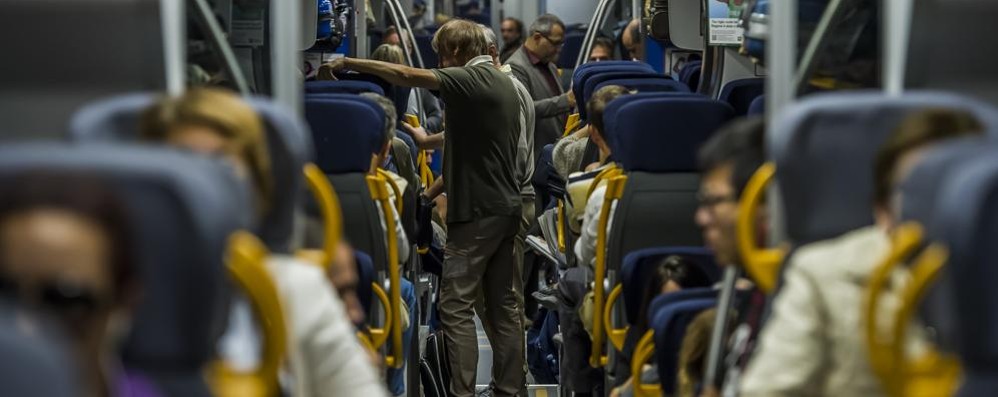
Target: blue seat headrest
x=661 y=132
x=289 y=145
x=346 y=130
x=592 y=82
x=966 y=221
x=342 y=87
x=183 y=208
x=758 y=106
x=657 y=84
x=570 y=50
x=637 y=267
x=921 y=191
x=36 y=363
x=670 y=323
x=826 y=144
x=690 y=74
x=741 y=93
x=587 y=70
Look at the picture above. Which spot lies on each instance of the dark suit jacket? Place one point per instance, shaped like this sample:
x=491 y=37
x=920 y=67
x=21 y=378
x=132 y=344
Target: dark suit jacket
x=551 y=108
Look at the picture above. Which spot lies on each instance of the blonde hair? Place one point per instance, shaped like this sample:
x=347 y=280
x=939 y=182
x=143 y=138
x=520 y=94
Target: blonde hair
x=693 y=353
x=461 y=39
x=226 y=114
x=390 y=53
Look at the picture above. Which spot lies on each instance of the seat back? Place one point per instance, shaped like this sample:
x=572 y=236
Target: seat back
x=826 y=144
x=670 y=323
x=183 y=208
x=289 y=147
x=638 y=265
x=659 y=199
x=758 y=106
x=740 y=94
x=570 y=50
x=965 y=222
x=35 y=363
x=690 y=74
x=342 y=87
x=587 y=70
x=594 y=82
x=658 y=84
x=347 y=130
x=920 y=192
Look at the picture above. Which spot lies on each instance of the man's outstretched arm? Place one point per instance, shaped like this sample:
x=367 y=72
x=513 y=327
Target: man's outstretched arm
x=395 y=74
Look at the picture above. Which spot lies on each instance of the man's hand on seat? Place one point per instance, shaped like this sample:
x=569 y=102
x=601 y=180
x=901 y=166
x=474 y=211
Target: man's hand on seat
x=327 y=70
x=418 y=134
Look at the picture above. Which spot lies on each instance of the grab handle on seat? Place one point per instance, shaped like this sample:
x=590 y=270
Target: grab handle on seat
x=762 y=264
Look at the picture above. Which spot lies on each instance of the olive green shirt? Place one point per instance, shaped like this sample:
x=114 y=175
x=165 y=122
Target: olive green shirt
x=482 y=122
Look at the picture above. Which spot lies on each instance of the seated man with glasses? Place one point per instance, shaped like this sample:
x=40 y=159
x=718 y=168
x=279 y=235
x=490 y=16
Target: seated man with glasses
x=533 y=64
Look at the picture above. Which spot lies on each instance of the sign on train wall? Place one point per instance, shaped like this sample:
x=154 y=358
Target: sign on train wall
x=726 y=22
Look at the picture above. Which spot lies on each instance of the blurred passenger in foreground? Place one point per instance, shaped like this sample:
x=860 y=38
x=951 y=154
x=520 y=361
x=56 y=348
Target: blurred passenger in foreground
x=325 y=354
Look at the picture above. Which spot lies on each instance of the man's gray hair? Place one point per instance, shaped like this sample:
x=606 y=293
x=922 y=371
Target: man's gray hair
x=545 y=23
x=389 y=108
x=490 y=36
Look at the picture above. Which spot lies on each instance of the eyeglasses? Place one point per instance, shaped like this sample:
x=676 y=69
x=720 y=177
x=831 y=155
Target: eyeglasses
x=66 y=299
x=558 y=43
x=710 y=201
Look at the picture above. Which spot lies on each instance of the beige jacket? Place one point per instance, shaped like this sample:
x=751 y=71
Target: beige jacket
x=813 y=344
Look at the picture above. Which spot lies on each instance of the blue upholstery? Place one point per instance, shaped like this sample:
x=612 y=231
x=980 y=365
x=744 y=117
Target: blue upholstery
x=114 y=118
x=35 y=362
x=661 y=132
x=690 y=74
x=570 y=50
x=638 y=265
x=825 y=145
x=342 y=87
x=669 y=323
x=741 y=93
x=585 y=71
x=289 y=146
x=365 y=276
x=658 y=84
x=966 y=221
x=183 y=208
x=346 y=130
x=920 y=192
x=593 y=82
x=424 y=44
x=758 y=106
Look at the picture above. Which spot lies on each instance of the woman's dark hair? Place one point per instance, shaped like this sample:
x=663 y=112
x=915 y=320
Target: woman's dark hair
x=673 y=268
x=82 y=195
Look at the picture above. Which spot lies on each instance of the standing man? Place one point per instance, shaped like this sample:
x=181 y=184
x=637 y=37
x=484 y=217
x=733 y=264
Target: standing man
x=533 y=65
x=512 y=37
x=483 y=213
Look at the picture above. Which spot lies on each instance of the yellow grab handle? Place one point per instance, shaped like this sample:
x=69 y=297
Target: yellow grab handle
x=609 y=172
x=642 y=353
x=763 y=264
x=616 y=335
x=366 y=342
x=245 y=265
x=573 y=121
x=329 y=207
x=614 y=190
x=380 y=335
x=395 y=189
x=934 y=374
x=906 y=239
x=379 y=192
